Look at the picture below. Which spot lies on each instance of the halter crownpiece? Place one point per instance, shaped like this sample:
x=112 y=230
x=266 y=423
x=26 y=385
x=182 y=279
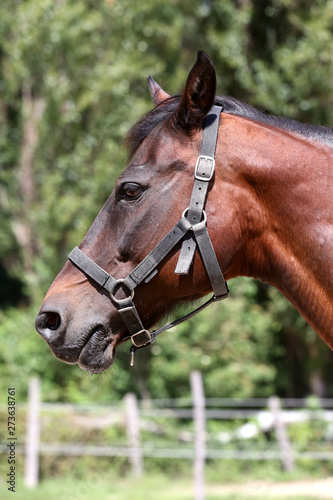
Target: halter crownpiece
x=191 y=228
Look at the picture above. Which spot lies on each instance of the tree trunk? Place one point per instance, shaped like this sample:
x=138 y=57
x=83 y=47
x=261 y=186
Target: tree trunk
x=32 y=111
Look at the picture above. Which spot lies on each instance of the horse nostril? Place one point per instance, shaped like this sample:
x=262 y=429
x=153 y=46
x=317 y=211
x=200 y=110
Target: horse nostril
x=47 y=323
x=52 y=321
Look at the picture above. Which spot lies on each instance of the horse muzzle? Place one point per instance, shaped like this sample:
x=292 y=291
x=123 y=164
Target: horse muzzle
x=91 y=346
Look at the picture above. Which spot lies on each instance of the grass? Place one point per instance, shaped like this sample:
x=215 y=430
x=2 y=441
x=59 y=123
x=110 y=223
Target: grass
x=155 y=487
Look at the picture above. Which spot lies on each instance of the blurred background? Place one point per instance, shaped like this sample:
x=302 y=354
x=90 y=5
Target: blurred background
x=72 y=83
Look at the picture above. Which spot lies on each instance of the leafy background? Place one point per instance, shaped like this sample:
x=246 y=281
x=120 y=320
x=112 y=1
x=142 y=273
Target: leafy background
x=72 y=82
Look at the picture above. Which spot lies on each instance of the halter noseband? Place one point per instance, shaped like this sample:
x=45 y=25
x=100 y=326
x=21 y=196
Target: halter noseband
x=191 y=228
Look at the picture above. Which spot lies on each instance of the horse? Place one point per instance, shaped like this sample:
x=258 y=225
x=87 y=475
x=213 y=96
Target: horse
x=265 y=213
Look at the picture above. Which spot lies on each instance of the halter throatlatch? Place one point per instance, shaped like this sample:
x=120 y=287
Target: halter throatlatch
x=191 y=228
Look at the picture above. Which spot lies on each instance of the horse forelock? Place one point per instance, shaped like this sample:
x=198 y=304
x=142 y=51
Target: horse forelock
x=148 y=122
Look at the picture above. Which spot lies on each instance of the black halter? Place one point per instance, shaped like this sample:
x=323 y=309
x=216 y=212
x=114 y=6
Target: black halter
x=191 y=228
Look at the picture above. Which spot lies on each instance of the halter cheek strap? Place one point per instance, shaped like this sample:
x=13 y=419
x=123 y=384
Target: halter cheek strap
x=204 y=171
x=191 y=228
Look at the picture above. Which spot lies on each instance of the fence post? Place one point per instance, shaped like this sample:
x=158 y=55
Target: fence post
x=200 y=429
x=31 y=466
x=281 y=434
x=133 y=433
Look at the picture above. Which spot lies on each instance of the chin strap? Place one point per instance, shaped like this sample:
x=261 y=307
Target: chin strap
x=191 y=228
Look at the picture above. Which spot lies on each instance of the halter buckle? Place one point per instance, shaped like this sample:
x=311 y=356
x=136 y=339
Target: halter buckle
x=137 y=339
x=141 y=338
x=204 y=168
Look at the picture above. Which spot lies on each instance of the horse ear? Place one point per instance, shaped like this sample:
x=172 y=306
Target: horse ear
x=199 y=93
x=156 y=91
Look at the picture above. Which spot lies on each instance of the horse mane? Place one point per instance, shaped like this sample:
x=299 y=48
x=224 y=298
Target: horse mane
x=160 y=113
x=317 y=133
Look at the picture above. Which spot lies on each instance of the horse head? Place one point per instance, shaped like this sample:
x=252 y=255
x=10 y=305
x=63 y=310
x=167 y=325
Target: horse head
x=260 y=219
x=77 y=319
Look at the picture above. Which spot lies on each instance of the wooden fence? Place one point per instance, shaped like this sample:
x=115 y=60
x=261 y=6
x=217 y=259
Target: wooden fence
x=261 y=415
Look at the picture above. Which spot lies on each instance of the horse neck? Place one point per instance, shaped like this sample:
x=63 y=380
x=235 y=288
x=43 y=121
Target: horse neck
x=284 y=192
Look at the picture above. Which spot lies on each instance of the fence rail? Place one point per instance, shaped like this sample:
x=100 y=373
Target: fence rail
x=259 y=415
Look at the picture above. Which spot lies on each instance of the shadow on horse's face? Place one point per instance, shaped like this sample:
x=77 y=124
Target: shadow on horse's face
x=77 y=319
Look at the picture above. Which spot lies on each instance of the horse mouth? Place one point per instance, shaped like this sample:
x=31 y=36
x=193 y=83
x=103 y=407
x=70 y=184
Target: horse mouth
x=98 y=354
x=95 y=352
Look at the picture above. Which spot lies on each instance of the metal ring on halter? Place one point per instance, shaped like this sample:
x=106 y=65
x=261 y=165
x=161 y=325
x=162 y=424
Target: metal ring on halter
x=114 y=291
x=203 y=213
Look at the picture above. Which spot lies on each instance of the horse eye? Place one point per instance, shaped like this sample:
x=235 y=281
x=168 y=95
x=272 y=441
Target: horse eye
x=131 y=191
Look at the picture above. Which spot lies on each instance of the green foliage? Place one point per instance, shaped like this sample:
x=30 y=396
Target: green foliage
x=83 y=66
x=234 y=360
